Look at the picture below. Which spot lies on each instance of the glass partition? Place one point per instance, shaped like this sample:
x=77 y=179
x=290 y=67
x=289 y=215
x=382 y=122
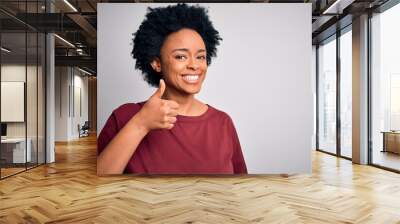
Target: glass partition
x=13 y=91
x=22 y=77
x=31 y=100
x=41 y=91
x=33 y=64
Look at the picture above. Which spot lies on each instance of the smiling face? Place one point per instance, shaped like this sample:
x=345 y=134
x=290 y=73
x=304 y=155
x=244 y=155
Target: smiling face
x=183 y=62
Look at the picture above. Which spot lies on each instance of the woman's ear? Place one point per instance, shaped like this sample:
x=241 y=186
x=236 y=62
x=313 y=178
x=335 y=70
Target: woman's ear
x=156 y=65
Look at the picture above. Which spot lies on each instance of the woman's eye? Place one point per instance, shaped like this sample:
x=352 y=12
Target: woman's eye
x=180 y=57
x=201 y=57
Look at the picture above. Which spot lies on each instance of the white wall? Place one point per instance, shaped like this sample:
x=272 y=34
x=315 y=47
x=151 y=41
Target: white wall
x=67 y=80
x=33 y=127
x=80 y=83
x=262 y=76
x=61 y=103
x=17 y=72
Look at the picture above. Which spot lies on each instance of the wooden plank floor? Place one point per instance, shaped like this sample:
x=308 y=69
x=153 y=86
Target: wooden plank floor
x=70 y=192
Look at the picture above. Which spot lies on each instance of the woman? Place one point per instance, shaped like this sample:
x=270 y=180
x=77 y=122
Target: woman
x=172 y=132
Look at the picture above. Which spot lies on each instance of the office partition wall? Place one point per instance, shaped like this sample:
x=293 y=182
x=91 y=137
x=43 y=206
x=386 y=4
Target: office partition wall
x=22 y=77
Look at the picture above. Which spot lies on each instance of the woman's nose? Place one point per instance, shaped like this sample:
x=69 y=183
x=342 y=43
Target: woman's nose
x=193 y=64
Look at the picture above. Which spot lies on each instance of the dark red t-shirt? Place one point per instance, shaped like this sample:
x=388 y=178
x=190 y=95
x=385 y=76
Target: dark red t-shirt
x=205 y=144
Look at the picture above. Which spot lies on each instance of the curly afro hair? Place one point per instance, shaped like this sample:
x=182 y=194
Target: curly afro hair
x=161 y=22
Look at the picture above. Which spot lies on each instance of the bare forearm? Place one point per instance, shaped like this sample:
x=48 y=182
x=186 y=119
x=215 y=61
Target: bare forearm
x=118 y=152
x=156 y=113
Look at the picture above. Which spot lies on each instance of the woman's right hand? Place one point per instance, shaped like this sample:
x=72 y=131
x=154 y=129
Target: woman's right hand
x=157 y=113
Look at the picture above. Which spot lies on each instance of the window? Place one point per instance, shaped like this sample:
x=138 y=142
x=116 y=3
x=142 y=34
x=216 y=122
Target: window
x=327 y=96
x=385 y=88
x=346 y=93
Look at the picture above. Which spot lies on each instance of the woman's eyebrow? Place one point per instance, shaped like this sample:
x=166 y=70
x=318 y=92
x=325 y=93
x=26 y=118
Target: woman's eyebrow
x=187 y=50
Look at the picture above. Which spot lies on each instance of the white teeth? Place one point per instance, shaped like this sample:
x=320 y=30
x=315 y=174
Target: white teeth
x=191 y=77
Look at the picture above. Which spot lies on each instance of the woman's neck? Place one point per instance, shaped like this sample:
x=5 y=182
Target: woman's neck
x=188 y=104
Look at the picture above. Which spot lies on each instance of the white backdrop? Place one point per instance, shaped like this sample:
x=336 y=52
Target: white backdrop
x=261 y=77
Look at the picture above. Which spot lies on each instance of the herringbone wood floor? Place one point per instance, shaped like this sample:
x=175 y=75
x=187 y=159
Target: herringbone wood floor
x=70 y=192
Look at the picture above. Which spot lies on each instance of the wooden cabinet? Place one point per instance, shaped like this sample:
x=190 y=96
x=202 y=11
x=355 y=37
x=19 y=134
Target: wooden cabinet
x=391 y=142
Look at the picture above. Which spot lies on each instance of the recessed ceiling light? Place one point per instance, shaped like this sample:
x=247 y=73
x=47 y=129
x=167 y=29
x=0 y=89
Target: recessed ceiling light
x=86 y=72
x=64 y=40
x=5 y=50
x=338 y=6
x=70 y=5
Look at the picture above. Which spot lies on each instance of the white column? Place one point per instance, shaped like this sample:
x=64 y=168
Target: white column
x=50 y=91
x=50 y=110
x=360 y=90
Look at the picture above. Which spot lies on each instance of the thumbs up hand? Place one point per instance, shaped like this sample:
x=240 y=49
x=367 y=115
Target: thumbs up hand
x=157 y=113
x=160 y=91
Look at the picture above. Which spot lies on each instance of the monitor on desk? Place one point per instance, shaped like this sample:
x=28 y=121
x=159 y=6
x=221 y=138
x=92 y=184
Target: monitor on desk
x=3 y=130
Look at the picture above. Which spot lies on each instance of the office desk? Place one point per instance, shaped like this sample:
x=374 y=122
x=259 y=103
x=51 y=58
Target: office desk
x=13 y=150
x=391 y=141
